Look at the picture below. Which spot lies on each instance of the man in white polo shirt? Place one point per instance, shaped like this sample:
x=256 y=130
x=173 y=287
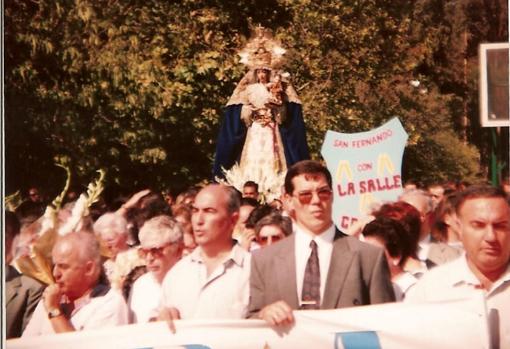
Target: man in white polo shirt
x=212 y=281
x=483 y=218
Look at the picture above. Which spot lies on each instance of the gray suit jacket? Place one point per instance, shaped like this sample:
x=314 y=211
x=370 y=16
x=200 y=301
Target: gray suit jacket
x=358 y=275
x=22 y=294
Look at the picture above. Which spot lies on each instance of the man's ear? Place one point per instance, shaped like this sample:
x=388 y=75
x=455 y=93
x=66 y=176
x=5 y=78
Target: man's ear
x=234 y=217
x=90 y=268
x=457 y=225
x=289 y=203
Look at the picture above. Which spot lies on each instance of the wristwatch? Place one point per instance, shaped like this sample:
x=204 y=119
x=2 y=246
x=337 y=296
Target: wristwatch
x=55 y=313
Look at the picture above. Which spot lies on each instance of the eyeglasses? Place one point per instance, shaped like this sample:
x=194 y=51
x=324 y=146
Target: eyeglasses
x=263 y=240
x=154 y=251
x=305 y=197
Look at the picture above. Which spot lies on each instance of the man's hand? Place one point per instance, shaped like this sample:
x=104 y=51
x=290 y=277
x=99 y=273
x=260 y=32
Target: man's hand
x=277 y=314
x=246 y=236
x=133 y=201
x=51 y=297
x=136 y=197
x=169 y=315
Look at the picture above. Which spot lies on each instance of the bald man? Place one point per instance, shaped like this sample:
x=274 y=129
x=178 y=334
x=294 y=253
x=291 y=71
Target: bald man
x=77 y=300
x=218 y=266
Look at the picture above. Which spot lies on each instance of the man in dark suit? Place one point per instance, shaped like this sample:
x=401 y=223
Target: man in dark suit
x=22 y=293
x=317 y=267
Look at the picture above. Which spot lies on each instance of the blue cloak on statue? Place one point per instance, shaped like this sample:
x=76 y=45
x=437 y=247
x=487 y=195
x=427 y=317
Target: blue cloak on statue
x=233 y=131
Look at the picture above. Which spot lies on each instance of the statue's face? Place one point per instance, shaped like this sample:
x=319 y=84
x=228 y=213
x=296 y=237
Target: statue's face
x=262 y=76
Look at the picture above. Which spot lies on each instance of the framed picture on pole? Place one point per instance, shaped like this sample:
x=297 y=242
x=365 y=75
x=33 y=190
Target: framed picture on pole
x=494 y=86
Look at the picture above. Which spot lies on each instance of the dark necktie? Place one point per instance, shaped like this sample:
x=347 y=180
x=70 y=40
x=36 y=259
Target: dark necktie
x=311 y=295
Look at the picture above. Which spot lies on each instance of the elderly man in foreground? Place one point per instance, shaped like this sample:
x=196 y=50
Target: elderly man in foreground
x=483 y=215
x=77 y=300
x=161 y=244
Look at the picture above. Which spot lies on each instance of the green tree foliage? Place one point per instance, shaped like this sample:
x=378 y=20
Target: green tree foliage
x=460 y=26
x=138 y=87
x=135 y=86
x=453 y=159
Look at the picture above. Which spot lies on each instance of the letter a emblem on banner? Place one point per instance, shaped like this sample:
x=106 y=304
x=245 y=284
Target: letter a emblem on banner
x=384 y=162
x=365 y=203
x=343 y=167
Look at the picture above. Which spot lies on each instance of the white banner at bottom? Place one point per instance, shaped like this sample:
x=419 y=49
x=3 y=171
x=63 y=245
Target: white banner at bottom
x=453 y=324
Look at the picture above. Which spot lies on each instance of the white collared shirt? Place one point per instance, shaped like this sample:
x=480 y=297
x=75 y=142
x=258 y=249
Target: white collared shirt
x=144 y=299
x=455 y=280
x=403 y=283
x=223 y=294
x=324 y=242
x=90 y=312
x=423 y=248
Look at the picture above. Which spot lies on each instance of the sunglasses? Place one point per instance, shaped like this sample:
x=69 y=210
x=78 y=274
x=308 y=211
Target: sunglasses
x=263 y=240
x=305 y=197
x=155 y=251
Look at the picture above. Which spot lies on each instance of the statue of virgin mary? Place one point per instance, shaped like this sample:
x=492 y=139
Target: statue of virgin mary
x=263 y=132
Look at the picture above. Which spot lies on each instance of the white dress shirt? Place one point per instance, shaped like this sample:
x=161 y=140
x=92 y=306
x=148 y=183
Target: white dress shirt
x=324 y=242
x=454 y=280
x=223 y=294
x=403 y=283
x=144 y=299
x=90 y=312
x=423 y=248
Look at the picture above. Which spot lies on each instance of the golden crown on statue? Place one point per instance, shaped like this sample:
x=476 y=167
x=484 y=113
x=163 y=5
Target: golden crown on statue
x=262 y=51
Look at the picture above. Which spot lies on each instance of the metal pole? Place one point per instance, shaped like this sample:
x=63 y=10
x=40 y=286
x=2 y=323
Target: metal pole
x=494 y=158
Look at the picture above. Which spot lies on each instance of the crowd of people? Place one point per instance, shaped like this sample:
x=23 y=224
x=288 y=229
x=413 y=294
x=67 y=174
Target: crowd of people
x=217 y=253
